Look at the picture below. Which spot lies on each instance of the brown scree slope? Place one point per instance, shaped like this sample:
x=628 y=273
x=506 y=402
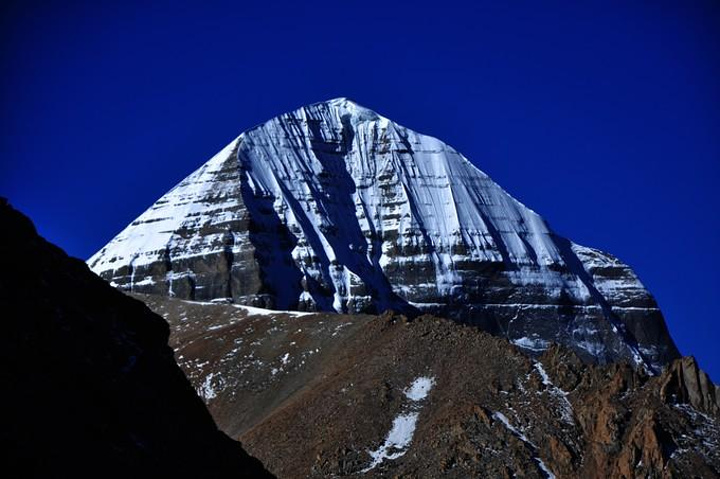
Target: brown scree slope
x=314 y=395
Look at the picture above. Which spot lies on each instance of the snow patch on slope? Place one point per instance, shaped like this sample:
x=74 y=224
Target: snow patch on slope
x=566 y=409
x=420 y=388
x=534 y=344
x=399 y=438
x=269 y=312
x=209 y=388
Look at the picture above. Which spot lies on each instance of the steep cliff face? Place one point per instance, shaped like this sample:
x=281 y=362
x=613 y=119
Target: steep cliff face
x=333 y=207
x=327 y=395
x=685 y=382
x=92 y=389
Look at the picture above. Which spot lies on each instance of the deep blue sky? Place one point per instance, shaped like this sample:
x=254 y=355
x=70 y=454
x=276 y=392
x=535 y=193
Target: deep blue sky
x=604 y=118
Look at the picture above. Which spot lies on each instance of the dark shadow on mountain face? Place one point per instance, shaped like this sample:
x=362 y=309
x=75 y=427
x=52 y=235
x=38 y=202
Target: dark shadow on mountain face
x=273 y=243
x=345 y=236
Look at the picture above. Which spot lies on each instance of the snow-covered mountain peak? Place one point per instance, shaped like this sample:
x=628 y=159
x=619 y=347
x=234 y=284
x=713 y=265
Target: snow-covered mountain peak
x=348 y=106
x=344 y=103
x=334 y=207
x=346 y=111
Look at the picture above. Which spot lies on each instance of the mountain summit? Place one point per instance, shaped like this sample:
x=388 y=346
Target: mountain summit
x=333 y=207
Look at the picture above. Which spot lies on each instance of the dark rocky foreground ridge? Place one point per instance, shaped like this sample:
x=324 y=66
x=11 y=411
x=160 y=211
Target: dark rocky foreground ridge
x=91 y=386
x=327 y=395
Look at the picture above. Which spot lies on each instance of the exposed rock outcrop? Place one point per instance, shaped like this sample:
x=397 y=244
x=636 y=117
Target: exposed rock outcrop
x=333 y=207
x=685 y=383
x=91 y=386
